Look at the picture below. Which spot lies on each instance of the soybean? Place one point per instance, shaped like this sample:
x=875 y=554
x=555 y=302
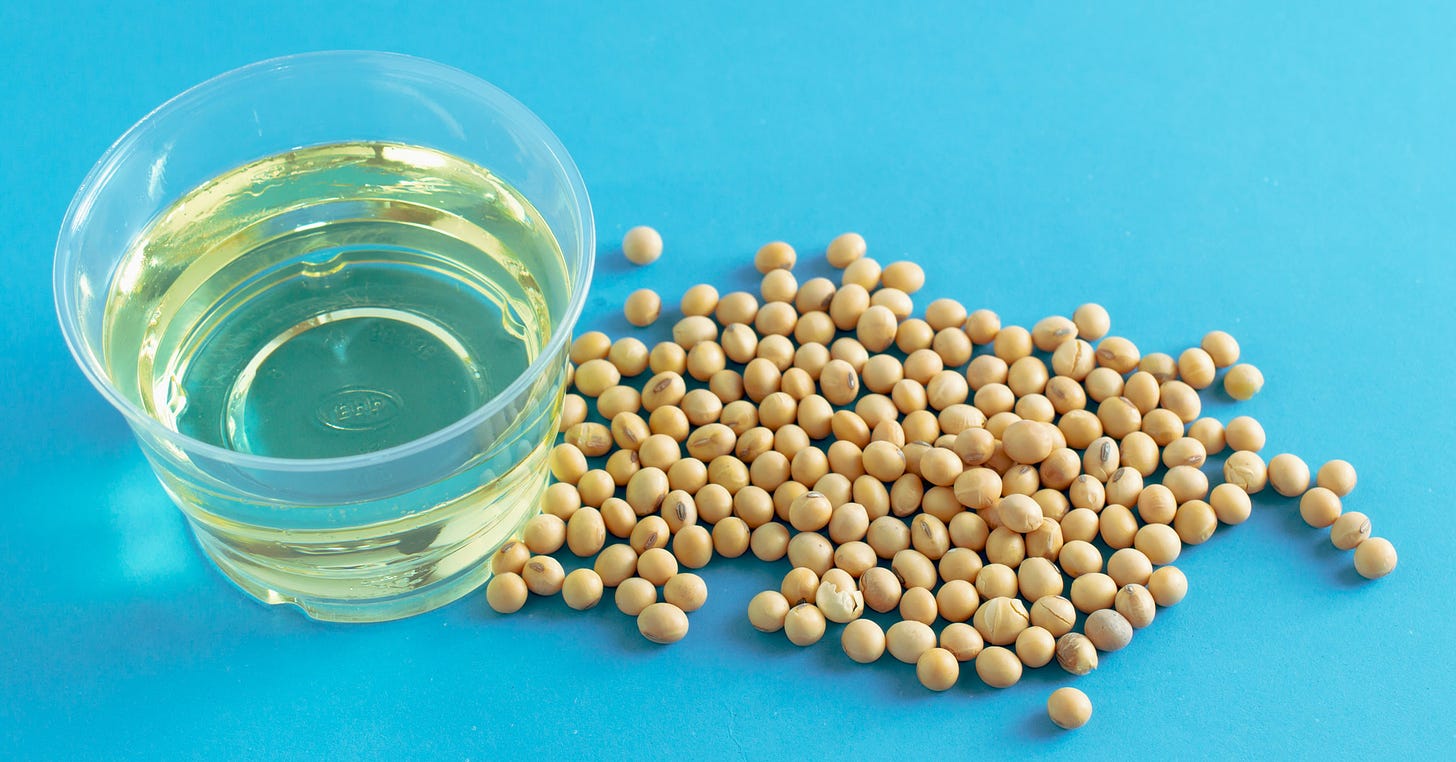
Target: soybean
x=642 y=307
x=767 y=611
x=863 y=641
x=506 y=593
x=1069 y=708
x=1375 y=558
x=938 y=669
x=1337 y=476
x=804 y=624
x=642 y=245
x=998 y=667
x=1243 y=381
x=1288 y=475
x=662 y=623
x=845 y=249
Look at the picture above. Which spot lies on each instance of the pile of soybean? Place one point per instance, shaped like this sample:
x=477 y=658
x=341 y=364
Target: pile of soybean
x=1059 y=470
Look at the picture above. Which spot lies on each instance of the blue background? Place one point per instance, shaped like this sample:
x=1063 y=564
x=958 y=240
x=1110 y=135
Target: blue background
x=1286 y=173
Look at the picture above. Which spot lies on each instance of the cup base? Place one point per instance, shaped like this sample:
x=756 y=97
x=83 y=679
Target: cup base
x=375 y=576
x=418 y=600
x=353 y=610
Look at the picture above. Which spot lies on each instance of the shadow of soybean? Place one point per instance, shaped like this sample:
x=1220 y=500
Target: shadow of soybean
x=614 y=627
x=1309 y=545
x=1350 y=579
x=732 y=583
x=772 y=644
x=970 y=684
x=550 y=617
x=827 y=655
x=830 y=656
x=889 y=671
x=775 y=645
x=610 y=260
x=1338 y=565
x=1309 y=548
x=1037 y=726
x=1050 y=676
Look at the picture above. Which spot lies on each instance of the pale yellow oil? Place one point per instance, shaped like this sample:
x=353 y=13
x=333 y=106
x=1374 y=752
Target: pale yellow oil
x=332 y=301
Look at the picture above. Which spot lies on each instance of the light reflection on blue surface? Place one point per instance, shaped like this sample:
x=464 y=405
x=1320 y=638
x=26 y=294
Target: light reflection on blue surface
x=154 y=548
x=114 y=535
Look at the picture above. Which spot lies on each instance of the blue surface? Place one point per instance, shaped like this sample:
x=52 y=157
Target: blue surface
x=1284 y=173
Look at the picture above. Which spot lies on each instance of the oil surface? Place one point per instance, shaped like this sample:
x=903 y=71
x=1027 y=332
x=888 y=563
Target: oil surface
x=330 y=301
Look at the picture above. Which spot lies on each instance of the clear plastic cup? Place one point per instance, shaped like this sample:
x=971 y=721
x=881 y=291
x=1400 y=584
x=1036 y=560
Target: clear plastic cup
x=366 y=537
